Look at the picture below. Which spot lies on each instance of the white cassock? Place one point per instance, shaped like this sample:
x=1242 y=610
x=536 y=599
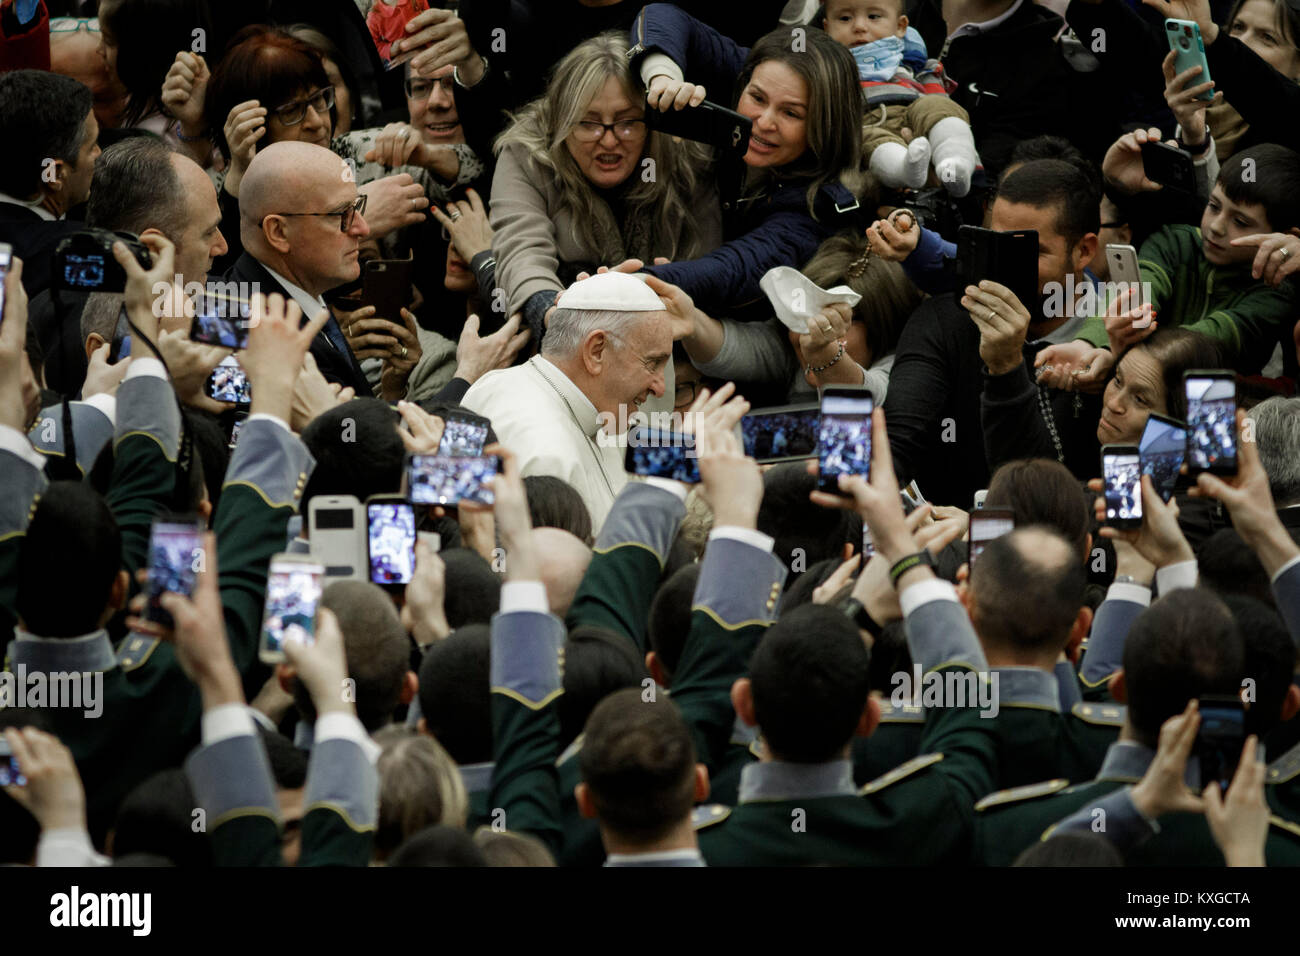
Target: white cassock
x=552 y=428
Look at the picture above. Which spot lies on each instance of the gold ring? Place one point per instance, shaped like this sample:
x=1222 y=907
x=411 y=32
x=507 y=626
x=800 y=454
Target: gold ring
x=992 y=312
x=404 y=351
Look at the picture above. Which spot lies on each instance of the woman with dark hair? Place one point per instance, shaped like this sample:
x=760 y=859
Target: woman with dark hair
x=348 y=104
x=797 y=182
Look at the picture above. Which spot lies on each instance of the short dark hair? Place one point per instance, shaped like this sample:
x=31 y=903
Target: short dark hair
x=1227 y=565
x=1043 y=491
x=1270 y=660
x=1013 y=574
x=638 y=761
x=70 y=558
x=288 y=763
x=804 y=532
x=357 y=449
x=1273 y=173
x=1177 y=350
x=42 y=116
x=597 y=662
x=1055 y=147
x=670 y=617
x=1072 y=849
x=554 y=503
x=137 y=188
x=1185 y=645
x=439 y=846
x=267 y=64
x=472 y=588
x=810 y=679
x=1055 y=183
x=148 y=33
x=456 y=696
x=157 y=817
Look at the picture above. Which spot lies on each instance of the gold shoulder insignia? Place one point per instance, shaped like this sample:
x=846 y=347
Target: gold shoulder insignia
x=899 y=772
x=1103 y=715
x=1285 y=767
x=709 y=814
x=757 y=748
x=907 y=714
x=1287 y=825
x=1016 y=794
x=570 y=751
x=135 y=650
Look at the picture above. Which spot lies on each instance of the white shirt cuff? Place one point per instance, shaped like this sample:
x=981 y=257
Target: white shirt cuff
x=678 y=488
x=923 y=592
x=1286 y=567
x=1128 y=591
x=270 y=418
x=228 y=720
x=340 y=726
x=524 y=596
x=12 y=440
x=660 y=64
x=106 y=403
x=68 y=847
x=141 y=366
x=747 y=536
x=1174 y=576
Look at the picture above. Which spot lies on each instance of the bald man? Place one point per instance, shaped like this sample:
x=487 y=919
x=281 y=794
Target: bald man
x=565 y=562
x=301 y=235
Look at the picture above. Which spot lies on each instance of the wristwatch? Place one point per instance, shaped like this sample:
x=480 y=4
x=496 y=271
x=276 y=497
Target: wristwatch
x=856 y=613
x=1205 y=143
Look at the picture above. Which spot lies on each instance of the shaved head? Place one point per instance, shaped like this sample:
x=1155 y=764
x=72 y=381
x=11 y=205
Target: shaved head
x=284 y=176
x=564 y=562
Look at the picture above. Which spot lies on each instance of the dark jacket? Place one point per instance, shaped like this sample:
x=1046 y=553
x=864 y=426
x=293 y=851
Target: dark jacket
x=33 y=240
x=760 y=231
x=335 y=365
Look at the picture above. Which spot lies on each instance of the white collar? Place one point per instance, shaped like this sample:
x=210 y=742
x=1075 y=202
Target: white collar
x=588 y=419
x=34 y=205
x=970 y=29
x=655 y=856
x=310 y=304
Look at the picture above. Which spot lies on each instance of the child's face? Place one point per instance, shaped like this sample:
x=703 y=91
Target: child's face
x=1225 y=220
x=854 y=22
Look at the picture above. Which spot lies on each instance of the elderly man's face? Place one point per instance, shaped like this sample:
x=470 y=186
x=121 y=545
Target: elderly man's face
x=637 y=361
x=319 y=251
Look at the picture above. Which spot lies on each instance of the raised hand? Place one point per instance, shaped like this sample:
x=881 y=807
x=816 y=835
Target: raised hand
x=276 y=346
x=470 y=231
x=894 y=237
x=1122 y=164
x=1074 y=366
x=423 y=612
x=53 y=794
x=1277 y=258
x=245 y=125
x=443 y=41
x=1239 y=819
x=665 y=93
x=477 y=355
x=184 y=89
x=153 y=294
x=393 y=202
x=1160 y=539
x=1003 y=323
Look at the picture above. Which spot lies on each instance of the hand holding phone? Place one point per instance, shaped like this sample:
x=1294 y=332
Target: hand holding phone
x=1211 y=420
x=986 y=524
x=1162 y=450
x=463 y=435
x=844 y=435
x=708 y=123
x=228 y=382
x=1189 y=50
x=390 y=537
x=438 y=480
x=293 y=590
x=1220 y=738
x=1168 y=165
x=786 y=433
x=1007 y=258
x=661 y=455
x=1121 y=471
x=175 y=557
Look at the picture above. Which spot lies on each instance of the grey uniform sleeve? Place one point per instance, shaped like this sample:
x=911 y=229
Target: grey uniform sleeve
x=1114 y=816
x=91 y=431
x=1110 y=627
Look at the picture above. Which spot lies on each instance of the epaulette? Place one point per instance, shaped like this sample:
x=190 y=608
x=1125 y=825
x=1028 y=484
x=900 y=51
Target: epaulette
x=757 y=749
x=570 y=751
x=1287 y=825
x=708 y=814
x=1027 y=792
x=135 y=650
x=899 y=772
x=1103 y=715
x=1285 y=767
x=907 y=714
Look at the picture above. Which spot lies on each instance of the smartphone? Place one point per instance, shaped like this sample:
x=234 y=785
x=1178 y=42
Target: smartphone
x=463 y=435
x=121 y=346
x=707 y=123
x=439 y=480
x=1220 y=738
x=236 y=423
x=387 y=22
x=844 y=435
x=175 y=555
x=386 y=284
x=1121 y=472
x=11 y=775
x=1122 y=264
x=868 y=546
x=980 y=497
x=336 y=532
x=1008 y=258
x=1170 y=166
x=390 y=540
x=1189 y=50
x=661 y=454
x=6 y=260
x=221 y=320
x=783 y=433
x=293 y=589
x=1211 y=421
x=1162 y=450
x=985 y=525
x=229 y=383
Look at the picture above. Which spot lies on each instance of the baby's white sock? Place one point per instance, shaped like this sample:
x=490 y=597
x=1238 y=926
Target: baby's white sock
x=897 y=165
x=954 y=154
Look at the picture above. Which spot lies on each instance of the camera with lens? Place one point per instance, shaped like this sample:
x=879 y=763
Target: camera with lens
x=84 y=261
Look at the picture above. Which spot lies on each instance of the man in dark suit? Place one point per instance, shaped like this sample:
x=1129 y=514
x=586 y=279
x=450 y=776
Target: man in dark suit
x=301 y=225
x=50 y=141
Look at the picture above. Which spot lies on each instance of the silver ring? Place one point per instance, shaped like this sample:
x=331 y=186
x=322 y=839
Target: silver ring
x=404 y=351
x=992 y=312
x=453 y=213
x=1286 y=253
x=415 y=203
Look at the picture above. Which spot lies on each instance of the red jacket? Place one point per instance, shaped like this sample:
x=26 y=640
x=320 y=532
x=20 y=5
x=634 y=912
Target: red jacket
x=24 y=46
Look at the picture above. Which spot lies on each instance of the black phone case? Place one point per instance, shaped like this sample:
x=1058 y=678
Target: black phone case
x=707 y=123
x=387 y=286
x=1170 y=166
x=1008 y=258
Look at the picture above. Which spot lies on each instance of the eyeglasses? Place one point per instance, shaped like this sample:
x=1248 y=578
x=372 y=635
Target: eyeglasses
x=589 y=132
x=685 y=393
x=418 y=89
x=74 y=25
x=356 y=207
x=291 y=114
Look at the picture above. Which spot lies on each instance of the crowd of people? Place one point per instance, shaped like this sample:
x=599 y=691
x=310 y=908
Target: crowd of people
x=473 y=250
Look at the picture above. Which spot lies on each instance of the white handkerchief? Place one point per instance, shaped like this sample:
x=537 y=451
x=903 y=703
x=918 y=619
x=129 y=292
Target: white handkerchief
x=796 y=298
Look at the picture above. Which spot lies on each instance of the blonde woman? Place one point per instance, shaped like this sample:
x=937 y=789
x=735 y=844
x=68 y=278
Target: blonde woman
x=581 y=183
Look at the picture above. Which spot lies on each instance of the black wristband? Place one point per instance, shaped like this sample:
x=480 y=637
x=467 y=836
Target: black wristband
x=855 y=612
x=903 y=565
